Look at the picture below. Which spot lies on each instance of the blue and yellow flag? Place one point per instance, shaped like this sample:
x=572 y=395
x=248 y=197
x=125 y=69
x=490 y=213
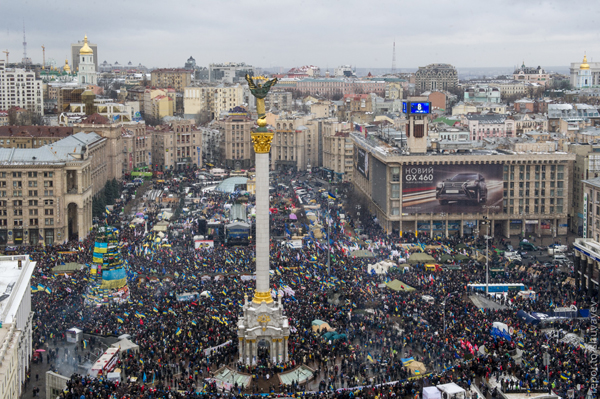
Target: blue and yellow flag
x=178 y=331
x=331 y=196
x=120 y=320
x=370 y=358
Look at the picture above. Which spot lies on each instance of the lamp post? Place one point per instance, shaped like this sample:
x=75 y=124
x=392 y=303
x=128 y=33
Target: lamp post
x=487 y=256
x=328 y=242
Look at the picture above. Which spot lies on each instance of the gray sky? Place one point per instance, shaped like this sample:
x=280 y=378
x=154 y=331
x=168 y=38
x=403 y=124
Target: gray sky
x=326 y=33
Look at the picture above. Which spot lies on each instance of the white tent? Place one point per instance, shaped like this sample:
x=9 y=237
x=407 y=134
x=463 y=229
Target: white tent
x=452 y=390
x=431 y=393
x=126 y=345
x=379 y=267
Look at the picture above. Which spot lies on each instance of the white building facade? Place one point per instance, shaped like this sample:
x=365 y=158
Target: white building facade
x=87 y=68
x=20 y=88
x=16 y=323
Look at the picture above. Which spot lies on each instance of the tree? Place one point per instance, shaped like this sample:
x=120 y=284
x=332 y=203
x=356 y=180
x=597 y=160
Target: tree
x=202 y=117
x=151 y=120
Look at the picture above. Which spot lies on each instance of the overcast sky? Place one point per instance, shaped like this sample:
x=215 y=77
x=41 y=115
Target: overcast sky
x=326 y=33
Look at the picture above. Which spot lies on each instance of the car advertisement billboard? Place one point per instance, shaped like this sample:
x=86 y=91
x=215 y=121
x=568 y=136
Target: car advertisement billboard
x=452 y=189
x=362 y=162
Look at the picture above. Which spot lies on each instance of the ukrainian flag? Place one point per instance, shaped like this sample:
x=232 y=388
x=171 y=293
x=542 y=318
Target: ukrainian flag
x=120 y=320
x=331 y=196
x=520 y=344
x=370 y=358
x=107 y=211
x=156 y=310
x=417 y=372
x=48 y=290
x=178 y=331
x=194 y=322
x=563 y=376
x=34 y=289
x=84 y=344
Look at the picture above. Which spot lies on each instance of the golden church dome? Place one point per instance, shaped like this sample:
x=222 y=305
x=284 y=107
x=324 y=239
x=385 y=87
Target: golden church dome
x=67 y=68
x=585 y=64
x=86 y=50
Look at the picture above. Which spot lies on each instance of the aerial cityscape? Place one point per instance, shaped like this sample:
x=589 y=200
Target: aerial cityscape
x=383 y=201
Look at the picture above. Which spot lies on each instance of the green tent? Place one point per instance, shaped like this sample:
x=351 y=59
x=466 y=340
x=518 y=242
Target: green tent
x=67 y=268
x=462 y=245
x=420 y=257
x=445 y=258
x=461 y=257
x=398 y=285
x=361 y=253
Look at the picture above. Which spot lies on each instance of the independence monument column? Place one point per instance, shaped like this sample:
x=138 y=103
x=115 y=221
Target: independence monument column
x=263 y=322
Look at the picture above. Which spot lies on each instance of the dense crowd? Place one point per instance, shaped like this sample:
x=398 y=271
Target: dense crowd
x=381 y=326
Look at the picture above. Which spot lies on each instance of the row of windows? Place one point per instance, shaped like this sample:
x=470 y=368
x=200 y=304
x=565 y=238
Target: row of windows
x=31 y=193
x=32 y=212
x=28 y=174
x=30 y=183
x=32 y=222
x=47 y=202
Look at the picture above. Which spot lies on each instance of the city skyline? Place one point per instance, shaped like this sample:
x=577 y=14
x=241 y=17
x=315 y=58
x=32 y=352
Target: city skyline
x=465 y=34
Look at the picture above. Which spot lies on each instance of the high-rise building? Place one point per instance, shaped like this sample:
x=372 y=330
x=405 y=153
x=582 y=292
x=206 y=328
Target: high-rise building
x=239 y=151
x=177 y=145
x=20 y=88
x=435 y=77
x=229 y=72
x=213 y=100
x=176 y=78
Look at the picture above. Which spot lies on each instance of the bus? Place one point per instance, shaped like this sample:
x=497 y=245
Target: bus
x=497 y=287
x=105 y=363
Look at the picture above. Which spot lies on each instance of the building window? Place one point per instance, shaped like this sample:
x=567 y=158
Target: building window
x=17 y=193
x=48 y=212
x=395 y=174
x=395 y=191
x=49 y=221
x=48 y=202
x=48 y=193
x=17 y=222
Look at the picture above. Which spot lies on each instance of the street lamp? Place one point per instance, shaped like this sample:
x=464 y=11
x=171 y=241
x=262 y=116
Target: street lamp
x=487 y=256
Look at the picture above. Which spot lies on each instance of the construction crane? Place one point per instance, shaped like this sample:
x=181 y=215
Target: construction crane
x=6 y=52
x=43 y=57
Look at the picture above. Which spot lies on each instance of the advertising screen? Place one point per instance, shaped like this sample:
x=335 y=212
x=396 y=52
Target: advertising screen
x=452 y=189
x=362 y=162
x=404 y=108
x=419 y=108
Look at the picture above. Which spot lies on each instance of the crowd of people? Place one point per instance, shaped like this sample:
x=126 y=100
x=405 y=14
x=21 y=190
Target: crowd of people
x=449 y=335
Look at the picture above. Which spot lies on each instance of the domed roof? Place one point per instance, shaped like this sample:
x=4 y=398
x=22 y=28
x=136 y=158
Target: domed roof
x=86 y=50
x=584 y=65
x=67 y=68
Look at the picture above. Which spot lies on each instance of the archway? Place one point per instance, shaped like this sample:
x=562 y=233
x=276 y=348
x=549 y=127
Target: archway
x=263 y=351
x=72 y=221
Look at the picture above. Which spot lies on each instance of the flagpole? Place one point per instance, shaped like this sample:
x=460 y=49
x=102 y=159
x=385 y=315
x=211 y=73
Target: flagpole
x=328 y=240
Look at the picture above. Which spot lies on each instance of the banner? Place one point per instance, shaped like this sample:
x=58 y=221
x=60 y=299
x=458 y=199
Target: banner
x=362 y=162
x=452 y=188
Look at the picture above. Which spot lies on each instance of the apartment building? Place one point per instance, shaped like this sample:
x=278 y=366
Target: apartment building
x=435 y=77
x=238 y=147
x=214 y=100
x=338 y=156
x=20 y=88
x=32 y=136
x=177 y=145
x=176 y=78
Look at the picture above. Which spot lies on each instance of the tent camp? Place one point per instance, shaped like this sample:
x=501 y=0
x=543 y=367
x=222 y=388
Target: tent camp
x=320 y=325
x=452 y=390
x=416 y=368
x=420 y=257
x=379 y=267
x=398 y=285
x=431 y=393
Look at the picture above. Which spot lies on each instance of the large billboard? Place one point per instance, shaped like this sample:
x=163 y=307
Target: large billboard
x=452 y=189
x=362 y=162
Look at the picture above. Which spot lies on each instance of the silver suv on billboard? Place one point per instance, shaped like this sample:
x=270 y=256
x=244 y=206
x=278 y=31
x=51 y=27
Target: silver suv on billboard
x=462 y=187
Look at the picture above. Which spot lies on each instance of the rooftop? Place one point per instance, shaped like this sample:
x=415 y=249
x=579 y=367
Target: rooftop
x=35 y=131
x=13 y=284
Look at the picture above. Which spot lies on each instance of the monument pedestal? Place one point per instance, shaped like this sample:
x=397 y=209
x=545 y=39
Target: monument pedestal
x=263 y=323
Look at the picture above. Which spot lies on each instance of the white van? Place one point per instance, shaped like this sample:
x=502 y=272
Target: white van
x=560 y=258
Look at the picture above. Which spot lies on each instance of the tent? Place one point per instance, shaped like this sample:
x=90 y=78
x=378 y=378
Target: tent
x=416 y=368
x=452 y=390
x=319 y=325
x=461 y=257
x=420 y=257
x=361 y=253
x=379 y=267
x=67 y=268
x=126 y=345
x=431 y=393
x=398 y=285
x=445 y=258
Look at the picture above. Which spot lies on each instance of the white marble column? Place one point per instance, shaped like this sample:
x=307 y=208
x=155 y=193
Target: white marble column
x=262 y=223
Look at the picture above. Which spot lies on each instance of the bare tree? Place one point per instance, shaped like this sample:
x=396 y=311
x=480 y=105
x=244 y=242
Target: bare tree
x=202 y=117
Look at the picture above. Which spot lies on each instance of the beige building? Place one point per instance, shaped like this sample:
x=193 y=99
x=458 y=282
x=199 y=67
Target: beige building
x=527 y=194
x=158 y=103
x=338 y=156
x=295 y=144
x=136 y=148
x=463 y=108
x=46 y=193
x=511 y=88
x=590 y=208
x=525 y=123
x=175 y=78
x=238 y=147
x=31 y=136
x=116 y=148
x=212 y=99
x=177 y=145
